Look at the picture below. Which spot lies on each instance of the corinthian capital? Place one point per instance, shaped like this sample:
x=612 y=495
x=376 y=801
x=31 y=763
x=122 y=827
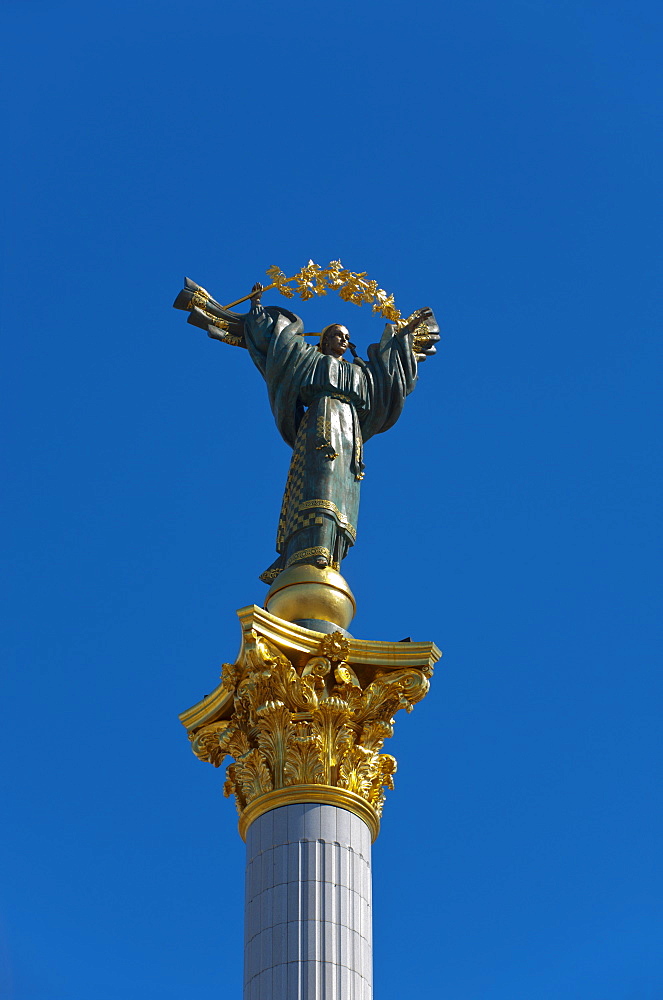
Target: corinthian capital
x=307 y=713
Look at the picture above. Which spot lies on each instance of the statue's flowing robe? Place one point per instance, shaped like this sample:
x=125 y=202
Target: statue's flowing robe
x=325 y=408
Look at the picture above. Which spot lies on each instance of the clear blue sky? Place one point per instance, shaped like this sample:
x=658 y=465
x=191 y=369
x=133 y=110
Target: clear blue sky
x=497 y=161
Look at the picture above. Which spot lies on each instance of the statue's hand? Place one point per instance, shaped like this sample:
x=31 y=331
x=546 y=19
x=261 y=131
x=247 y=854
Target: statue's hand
x=256 y=294
x=418 y=317
x=425 y=341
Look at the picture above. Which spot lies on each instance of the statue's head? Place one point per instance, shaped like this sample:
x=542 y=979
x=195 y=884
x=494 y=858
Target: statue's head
x=334 y=340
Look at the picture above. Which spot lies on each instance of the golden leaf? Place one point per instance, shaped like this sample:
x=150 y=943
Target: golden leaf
x=352 y=286
x=323 y=721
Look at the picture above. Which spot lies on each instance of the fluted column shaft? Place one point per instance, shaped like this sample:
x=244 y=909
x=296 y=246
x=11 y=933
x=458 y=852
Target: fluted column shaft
x=308 y=918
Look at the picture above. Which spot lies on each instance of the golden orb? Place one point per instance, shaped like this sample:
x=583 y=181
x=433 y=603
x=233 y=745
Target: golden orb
x=304 y=591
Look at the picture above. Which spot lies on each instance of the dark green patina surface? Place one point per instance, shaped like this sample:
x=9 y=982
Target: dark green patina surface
x=325 y=408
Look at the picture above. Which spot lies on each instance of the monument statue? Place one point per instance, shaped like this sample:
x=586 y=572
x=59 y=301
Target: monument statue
x=304 y=711
x=325 y=409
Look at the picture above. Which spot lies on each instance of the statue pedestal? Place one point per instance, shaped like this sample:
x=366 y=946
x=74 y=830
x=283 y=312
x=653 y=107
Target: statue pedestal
x=304 y=716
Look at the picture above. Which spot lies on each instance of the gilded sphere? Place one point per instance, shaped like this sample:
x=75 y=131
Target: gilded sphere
x=309 y=592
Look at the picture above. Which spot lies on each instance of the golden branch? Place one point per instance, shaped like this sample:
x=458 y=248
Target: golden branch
x=351 y=286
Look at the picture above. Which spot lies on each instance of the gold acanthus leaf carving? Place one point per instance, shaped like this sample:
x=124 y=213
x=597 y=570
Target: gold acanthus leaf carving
x=209 y=743
x=274 y=675
x=329 y=724
x=275 y=737
x=391 y=691
x=303 y=766
x=358 y=770
x=251 y=777
x=313 y=723
x=230 y=675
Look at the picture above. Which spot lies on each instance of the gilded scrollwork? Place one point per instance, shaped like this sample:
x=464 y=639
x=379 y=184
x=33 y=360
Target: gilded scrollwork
x=309 y=723
x=335 y=647
x=208 y=743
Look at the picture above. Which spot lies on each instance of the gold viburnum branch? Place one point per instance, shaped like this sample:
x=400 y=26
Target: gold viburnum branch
x=351 y=286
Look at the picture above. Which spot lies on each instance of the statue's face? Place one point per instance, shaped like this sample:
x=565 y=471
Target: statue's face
x=336 y=341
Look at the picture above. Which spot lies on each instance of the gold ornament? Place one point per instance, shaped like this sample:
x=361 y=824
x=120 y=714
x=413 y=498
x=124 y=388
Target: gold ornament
x=314 y=280
x=301 y=709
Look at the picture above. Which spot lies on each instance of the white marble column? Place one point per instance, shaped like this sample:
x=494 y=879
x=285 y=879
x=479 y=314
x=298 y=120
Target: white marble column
x=308 y=930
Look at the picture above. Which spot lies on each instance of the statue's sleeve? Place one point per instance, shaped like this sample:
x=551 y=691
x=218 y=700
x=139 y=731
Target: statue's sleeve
x=279 y=351
x=391 y=375
x=258 y=327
